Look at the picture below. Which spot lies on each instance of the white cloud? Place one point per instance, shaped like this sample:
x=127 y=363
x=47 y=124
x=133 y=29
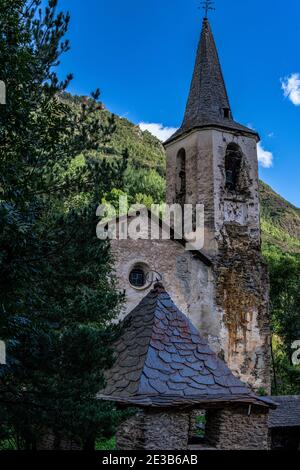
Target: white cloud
x=291 y=88
x=158 y=130
x=265 y=158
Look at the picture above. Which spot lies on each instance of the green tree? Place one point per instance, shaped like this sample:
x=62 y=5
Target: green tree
x=147 y=182
x=57 y=296
x=285 y=317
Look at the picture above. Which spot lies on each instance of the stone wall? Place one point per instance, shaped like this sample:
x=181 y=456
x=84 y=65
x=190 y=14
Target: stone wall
x=130 y=434
x=199 y=178
x=155 y=430
x=242 y=297
x=233 y=241
x=233 y=428
x=167 y=430
x=205 y=175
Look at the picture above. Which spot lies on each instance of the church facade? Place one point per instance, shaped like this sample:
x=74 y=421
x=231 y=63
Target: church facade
x=223 y=289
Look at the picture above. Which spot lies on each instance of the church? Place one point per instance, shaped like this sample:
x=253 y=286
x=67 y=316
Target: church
x=222 y=288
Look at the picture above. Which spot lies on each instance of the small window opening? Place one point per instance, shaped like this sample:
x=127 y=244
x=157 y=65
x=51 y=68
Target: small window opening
x=197 y=435
x=226 y=112
x=181 y=177
x=137 y=277
x=233 y=161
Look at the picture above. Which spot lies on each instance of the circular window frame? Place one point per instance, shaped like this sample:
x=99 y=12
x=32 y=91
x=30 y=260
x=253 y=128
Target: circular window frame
x=146 y=269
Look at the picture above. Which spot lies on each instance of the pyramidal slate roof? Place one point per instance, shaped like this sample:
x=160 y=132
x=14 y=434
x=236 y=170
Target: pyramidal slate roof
x=208 y=97
x=162 y=360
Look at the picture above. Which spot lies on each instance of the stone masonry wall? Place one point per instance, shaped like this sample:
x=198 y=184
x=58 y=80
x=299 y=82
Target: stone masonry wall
x=167 y=430
x=199 y=178
x=232 y=428
x=130 y=434
x=232 y=240
x=155 y=430
x=242 y=294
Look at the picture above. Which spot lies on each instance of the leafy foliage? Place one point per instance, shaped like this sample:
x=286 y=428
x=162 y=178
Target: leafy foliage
x=285 y=309
x=280 y=222
x=147 y=182
x=57 y=295
x=106 y=444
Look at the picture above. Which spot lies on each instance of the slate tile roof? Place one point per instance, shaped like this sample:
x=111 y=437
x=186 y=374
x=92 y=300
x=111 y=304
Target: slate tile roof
x=162 y=360
x=287 y=413
x=208 y=95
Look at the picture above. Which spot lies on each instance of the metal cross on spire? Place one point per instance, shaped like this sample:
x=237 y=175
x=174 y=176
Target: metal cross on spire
x=207 y=6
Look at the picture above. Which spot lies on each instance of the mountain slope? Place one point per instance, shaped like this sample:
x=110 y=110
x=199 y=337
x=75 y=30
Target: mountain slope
x=280 y=221
x=145 y=150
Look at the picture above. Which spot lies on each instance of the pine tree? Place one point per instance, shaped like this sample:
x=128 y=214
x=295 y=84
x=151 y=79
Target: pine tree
x=57 y=294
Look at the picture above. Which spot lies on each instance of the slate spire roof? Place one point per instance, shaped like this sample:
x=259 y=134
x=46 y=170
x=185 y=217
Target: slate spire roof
x=162 y=360
x=208 y=102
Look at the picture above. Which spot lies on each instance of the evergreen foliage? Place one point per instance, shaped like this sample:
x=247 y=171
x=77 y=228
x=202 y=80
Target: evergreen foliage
x=57 y=295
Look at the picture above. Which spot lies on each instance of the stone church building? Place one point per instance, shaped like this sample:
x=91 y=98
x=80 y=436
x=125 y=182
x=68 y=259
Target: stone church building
x=196 y=344
x=222 y=289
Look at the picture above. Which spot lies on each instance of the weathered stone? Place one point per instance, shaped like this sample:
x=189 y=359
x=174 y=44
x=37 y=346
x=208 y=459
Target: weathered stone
x=242 y=291
x=238 y=428
x=239 y=328
x=166 y=430
x=130 y=434
x=155 y=430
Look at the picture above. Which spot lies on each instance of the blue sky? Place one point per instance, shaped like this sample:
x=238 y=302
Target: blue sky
x=141 y=55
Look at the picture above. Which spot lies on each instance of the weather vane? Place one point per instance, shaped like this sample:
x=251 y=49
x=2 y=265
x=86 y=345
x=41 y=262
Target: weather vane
x=207 y=6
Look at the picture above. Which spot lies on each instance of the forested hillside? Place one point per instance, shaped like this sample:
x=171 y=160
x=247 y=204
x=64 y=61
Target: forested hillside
x=280 y=221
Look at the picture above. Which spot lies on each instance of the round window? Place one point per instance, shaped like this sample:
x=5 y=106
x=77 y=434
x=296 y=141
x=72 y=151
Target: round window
x=138 y=276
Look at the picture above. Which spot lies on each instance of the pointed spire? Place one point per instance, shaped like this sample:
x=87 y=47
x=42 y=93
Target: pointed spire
x=208 y=102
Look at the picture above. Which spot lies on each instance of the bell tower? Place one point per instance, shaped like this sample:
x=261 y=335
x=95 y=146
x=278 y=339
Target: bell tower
x=212 y=160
